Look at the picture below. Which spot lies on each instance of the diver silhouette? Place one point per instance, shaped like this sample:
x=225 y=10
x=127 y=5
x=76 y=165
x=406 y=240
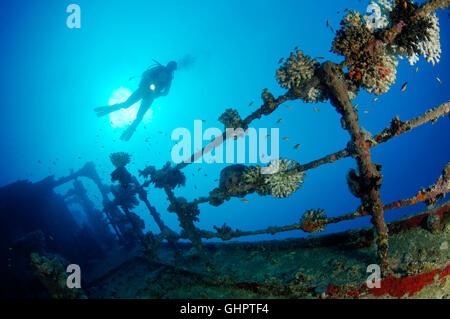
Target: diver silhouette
x=155 y=82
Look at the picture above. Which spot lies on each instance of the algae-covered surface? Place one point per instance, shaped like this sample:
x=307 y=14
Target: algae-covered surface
x=332 y=266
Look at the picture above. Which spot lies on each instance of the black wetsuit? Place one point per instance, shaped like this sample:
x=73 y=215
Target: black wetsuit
x=157 y=76
x=155 y=82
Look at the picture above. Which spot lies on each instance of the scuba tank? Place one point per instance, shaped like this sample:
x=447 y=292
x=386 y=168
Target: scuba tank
x=154 y=65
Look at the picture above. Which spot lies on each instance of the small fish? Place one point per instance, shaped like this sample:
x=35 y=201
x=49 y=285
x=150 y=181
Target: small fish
x=356 y=105
x=202 y=121
x=297 y=146
x=250 y=104
x=281 y=60
x=268 y=135
x=51 y=237
x=296 y=48
x=289 y=107
x=216 y=180
x=316 y=110
x=195 y=187
x=366 y=111
x=405 y=5
x=280 y=120
x=404 y=87
x=199 y=169
x=328 y=23
x=374 y=100
x=244 y=200
x=10 y=248
x=320 y=57
x=332 y=30
x=286 y=138
x=439 y=80
x=417 y=69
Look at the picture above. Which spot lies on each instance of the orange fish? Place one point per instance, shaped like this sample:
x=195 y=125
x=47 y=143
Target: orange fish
x=296 y=146
x=404 y=87
x=244 y=200
x=316 y=110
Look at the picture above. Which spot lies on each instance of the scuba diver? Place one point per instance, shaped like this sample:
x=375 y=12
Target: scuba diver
x=155 y=82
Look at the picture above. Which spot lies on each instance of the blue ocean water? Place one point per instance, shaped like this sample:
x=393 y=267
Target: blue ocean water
x=53 y=77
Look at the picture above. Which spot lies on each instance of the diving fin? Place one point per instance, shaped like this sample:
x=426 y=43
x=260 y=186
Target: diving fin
x=105 y=110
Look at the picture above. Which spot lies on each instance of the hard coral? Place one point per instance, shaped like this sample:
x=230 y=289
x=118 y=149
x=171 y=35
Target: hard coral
x=233 y=183
x=52 y=273
x=252 y=176
x=297 y=69
x=166 y=176
x=413 y=32
x=431 y=47
x=231 y=119
x=378 y=78
x=379 y=18
x=313 y=221
x=183 y=208
x=372 y=69
x=282 y=180
x=125 y=197
x=119 y=159
x=297 y=74
x=122 y=175
x=418 y=36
